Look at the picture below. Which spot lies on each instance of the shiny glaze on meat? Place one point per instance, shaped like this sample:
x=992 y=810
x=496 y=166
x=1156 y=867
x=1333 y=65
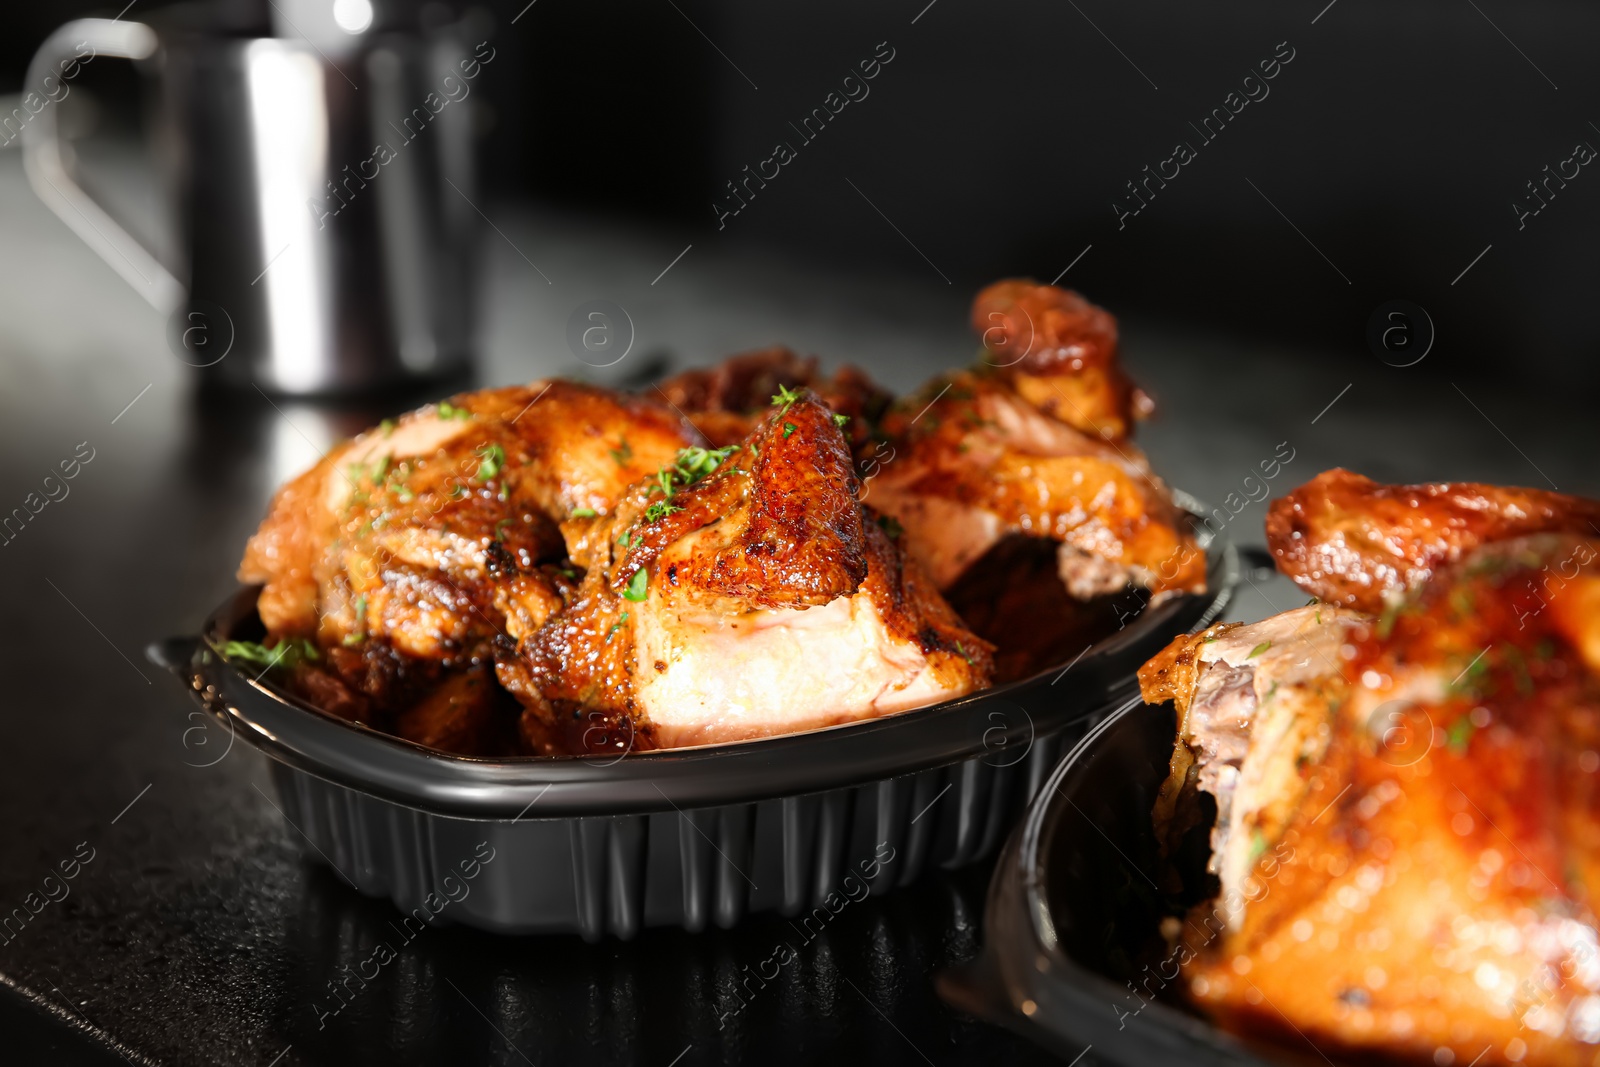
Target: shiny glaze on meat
x=771 y=602
x=1352 y=541
x=1059 y=352
x=973 y=461
x=1437 y=887
x=391 y=549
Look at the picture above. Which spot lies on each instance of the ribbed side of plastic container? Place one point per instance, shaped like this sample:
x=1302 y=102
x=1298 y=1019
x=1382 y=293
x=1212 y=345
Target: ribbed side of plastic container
x=800 y=856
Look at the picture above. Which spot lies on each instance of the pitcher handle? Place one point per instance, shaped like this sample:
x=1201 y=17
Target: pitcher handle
x=46 y=167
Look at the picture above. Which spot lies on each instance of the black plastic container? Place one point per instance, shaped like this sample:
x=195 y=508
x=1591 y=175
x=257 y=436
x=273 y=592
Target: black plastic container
x=1073 y=907
x=685 y=837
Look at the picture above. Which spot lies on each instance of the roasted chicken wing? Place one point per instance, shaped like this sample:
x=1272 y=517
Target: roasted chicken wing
x=1060 y=353
x=971 y=461
x=1407 y=834
x=1352 y=541
x=1033 y=442
x=743 y=592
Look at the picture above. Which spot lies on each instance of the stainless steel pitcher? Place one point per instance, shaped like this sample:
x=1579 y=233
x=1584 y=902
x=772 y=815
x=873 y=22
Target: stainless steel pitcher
x=323 y=191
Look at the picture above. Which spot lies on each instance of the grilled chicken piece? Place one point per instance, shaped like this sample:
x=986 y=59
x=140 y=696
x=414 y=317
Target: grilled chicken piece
x=390 y=552
x=728 y=401
x=1059 y=352
x=970 y=461
x=1434 y=894
x=742 y=593
x=1408 y=807
x=1351 y=541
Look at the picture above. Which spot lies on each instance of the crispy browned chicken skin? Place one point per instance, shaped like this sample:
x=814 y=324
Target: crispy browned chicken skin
x=1351 y=541
x=1033 y=442
x=1060 y=353
x=1408 y=830
x=416 y=544
x=757 y=596
x=971 y=461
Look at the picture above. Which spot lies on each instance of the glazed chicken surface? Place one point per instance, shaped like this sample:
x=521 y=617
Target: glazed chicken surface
x=1059 y=352
x=408 y=550
x=1408 y=804
x=1354 y=542
x=1033 y=442
x=747 y=593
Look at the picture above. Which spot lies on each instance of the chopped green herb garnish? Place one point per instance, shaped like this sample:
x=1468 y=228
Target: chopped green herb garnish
x=500 y=529
x=636 y=590
x=1313 y=600
x=405 y=494
x=380 y=470
x=458 y=491
x=788 y=429
x=1386 y=621
x=613 y=631
x=491 y=459
x=583 y=513
x=1258 y=845
x=1459 y=734
x=840 y=420
x=692 y=464
x=891 y=526
x=1467 y=681
x=448 y=410
x=659 y=510
x=1262 y=647
x=624 y=454
x=784 y=397
x=688 y=467
x=286 y=653
x=386 y=427
x=964 y=653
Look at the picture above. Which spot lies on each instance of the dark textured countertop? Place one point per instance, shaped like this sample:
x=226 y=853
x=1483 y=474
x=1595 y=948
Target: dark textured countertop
x=197 y=934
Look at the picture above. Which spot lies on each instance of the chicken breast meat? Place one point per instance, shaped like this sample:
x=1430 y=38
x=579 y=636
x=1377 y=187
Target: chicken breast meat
x=742 y=593
x=1407 y=838
x=1255 y=704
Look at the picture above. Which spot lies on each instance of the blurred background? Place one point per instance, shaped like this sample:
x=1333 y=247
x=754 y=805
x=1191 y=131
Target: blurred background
x=997 y=142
